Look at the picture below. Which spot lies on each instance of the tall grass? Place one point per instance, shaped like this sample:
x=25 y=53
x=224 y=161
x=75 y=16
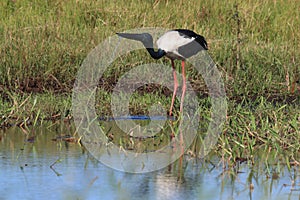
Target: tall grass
x=44 y=42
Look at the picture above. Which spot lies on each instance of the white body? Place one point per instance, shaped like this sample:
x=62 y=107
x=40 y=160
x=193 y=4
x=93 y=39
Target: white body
x=171 y=41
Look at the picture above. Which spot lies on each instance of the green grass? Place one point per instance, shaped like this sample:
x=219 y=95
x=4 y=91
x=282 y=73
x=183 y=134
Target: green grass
x=254 y=44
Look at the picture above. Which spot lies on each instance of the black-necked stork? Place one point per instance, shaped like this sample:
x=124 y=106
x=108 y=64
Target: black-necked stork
x=175 y=44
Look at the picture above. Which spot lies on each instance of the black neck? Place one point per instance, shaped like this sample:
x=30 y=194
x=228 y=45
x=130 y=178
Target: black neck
x=156 y=54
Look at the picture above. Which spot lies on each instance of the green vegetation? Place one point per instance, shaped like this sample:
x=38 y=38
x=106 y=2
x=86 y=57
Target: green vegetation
x=254 y=44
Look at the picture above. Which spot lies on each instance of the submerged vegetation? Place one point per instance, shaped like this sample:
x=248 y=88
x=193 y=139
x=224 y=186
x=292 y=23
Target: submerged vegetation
x=254 y=44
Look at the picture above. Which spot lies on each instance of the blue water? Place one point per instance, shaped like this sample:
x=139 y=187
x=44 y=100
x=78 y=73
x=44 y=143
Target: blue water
x=137 y=117
x=26 y=174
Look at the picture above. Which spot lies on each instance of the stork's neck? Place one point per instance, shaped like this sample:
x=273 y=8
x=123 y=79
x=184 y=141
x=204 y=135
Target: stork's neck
x=156 y=54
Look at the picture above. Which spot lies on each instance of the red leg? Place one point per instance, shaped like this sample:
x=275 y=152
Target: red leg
x=183 y=86
x=175 y=87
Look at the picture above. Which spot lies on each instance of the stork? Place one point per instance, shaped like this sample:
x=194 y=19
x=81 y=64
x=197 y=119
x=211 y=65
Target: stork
x=177 y=44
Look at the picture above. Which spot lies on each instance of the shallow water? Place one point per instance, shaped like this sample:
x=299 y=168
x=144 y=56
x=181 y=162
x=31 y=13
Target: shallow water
x=38 y=167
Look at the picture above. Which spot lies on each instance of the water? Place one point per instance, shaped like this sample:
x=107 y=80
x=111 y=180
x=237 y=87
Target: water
x=26 y=173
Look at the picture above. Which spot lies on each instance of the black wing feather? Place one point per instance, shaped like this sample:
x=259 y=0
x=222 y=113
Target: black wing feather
x=191 y=34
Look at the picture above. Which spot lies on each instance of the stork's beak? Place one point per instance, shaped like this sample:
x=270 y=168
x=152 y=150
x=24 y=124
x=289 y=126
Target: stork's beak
x=132 y=36
x=145 y=38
